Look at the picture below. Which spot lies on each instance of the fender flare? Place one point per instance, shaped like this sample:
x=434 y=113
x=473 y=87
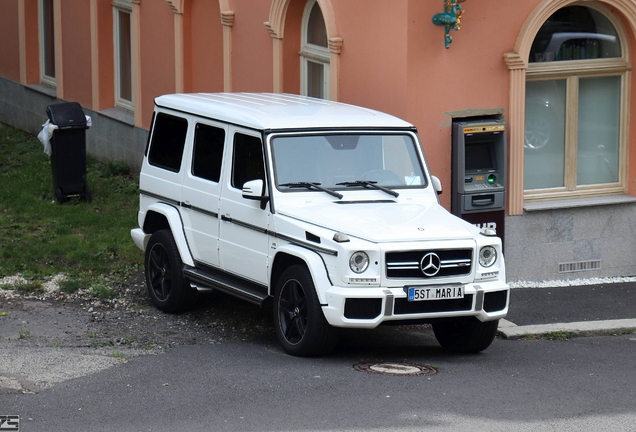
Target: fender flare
x=316 y=266
x=173 y=217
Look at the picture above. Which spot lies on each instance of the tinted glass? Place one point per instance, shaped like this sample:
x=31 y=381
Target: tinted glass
x=208 y=152
x=168 y=141
x=247 y=162
x=575 y=33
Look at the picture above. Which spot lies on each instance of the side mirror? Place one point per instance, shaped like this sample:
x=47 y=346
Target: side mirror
x=437 y=185
x=255 y=190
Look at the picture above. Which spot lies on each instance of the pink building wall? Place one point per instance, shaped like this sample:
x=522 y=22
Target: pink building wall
x=252 y=47
x=205 y=42
x=76 y=51
x=157 y=56
x=9 y=52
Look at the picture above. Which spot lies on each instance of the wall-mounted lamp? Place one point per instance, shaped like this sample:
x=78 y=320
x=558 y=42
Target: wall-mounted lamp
x=451 y=19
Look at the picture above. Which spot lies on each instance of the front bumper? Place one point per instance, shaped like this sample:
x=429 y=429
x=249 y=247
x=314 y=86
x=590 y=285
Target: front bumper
x=370 y=307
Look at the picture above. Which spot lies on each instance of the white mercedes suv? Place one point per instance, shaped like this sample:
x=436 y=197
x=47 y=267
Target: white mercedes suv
x=326 y=212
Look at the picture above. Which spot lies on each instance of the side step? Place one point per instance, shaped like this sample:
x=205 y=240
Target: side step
x=242 y=289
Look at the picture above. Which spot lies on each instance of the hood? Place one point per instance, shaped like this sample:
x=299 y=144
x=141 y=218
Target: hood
x=384 y=222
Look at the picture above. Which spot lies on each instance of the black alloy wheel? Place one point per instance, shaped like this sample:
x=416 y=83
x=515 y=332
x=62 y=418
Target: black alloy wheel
x=167 y=287
x=299 y=322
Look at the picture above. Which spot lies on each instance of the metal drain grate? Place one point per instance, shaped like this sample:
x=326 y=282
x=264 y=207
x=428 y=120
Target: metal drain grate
x=395 y=368
x=578 y=266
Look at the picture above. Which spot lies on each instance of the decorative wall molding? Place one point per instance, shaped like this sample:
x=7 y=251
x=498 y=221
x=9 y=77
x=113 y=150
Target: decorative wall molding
x=176 y=6
x=227 y=18
x=335 y=45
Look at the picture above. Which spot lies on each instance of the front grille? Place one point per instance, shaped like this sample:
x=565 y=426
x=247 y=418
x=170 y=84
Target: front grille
x=408 y=265
x=362 y=308
x=495 y=301
x=403 y=307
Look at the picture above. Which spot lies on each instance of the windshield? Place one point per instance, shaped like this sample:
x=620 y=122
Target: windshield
x=335 y=161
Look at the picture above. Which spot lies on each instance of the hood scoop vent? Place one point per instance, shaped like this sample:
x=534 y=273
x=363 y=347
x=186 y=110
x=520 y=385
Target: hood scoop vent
x=312 y=237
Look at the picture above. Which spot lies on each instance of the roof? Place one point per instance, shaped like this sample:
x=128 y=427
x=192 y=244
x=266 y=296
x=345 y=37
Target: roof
x=278 y=111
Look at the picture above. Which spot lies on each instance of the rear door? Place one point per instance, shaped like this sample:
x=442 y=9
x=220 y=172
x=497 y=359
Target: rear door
x=202 y=190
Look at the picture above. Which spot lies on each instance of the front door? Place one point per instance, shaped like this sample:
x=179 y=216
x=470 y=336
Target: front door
x=244 y=242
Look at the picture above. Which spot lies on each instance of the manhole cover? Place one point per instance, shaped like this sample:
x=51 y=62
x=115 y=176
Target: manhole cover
x=395 y=368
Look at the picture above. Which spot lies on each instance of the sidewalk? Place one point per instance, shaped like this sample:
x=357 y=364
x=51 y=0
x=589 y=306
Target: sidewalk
x=574 y=310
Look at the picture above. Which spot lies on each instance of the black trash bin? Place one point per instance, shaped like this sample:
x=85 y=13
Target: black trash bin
x=68 y=146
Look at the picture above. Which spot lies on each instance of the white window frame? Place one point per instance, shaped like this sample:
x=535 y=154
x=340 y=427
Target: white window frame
x=124 y=6
x=44 y=78
x=314 y=54
x=571 y=72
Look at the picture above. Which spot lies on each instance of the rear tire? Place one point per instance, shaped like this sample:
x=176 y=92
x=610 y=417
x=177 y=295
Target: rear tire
x=465 y=335
x=59 y=196
x=86 y=194
x=300 y=325
x=167 y=287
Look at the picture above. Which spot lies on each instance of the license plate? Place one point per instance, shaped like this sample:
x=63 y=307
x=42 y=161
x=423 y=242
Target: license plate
x=435 y=293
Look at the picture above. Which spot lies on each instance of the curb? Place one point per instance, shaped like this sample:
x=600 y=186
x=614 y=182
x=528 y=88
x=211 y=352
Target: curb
x=509 y=330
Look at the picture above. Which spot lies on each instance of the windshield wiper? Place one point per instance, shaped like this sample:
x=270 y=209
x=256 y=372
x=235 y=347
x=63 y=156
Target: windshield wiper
x=369 y=184
x=315 y=186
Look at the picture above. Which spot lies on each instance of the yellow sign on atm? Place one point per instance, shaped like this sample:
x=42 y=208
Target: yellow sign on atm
x=479 y=129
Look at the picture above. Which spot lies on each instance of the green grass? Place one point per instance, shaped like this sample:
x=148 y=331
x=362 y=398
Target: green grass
x=102 y=292
x=30 y=287
x=71 y=285
x=85 y=240
x=117 y=355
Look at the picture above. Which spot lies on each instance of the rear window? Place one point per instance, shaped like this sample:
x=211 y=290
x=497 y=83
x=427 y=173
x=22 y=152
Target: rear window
x=168 y=141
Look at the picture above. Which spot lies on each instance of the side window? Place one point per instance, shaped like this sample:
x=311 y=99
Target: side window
x=247 y=163
x=122 y=21
x=168 y=141
x=208 y=152
x=47 y=42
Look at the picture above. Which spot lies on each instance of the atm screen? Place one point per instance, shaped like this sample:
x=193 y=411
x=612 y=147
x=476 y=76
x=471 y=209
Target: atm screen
x=479 y=156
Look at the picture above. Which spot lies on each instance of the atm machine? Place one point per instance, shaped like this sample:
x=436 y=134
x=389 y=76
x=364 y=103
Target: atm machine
x=479 y=173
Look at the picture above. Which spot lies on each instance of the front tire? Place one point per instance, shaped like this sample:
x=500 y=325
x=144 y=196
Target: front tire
x=301 y=327
x=465 y=335
x=167 y=287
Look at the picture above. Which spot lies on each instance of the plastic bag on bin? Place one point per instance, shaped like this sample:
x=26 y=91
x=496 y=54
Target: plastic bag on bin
x=45 y=136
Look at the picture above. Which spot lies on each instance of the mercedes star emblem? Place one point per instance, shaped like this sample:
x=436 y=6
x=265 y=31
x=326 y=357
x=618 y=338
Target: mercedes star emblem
x=430 y=264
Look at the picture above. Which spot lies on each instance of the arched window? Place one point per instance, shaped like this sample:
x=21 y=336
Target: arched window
x=576 y=106
x=314 y=53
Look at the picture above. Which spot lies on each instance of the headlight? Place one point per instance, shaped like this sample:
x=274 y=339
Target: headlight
x=359 y=262
x=487 y=256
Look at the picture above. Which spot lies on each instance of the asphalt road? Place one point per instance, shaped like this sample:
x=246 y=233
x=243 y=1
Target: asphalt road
x=249 y=384
x=584 y=384
x=531 y=306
